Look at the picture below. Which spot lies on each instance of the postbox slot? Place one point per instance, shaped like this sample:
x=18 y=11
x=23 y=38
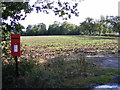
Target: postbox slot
x=15 y=38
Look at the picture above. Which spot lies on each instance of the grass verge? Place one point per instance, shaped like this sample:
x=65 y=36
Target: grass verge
x=55 y=74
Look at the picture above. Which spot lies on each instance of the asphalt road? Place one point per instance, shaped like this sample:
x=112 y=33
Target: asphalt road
x=106 y=60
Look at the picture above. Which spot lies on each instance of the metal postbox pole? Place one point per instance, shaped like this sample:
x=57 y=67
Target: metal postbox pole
x=17 y=74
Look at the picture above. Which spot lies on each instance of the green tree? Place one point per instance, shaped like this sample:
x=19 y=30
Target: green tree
x=89 y=25
x=29 y=30
x=86 y=27
x=13 y=12
x=54 y=29
x=116 y=24
x=65 y=28
x=96 y=28
x=41 y=29
x=113 y=23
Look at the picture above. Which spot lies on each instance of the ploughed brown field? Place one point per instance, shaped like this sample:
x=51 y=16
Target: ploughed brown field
x=48 y=47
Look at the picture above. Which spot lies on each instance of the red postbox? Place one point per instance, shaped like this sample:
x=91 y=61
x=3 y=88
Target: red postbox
x=15 y=44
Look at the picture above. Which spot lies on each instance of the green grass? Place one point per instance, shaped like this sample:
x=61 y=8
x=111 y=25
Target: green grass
x=109 y=72
x=56 y=74
x=64 y=40
x=100 y=80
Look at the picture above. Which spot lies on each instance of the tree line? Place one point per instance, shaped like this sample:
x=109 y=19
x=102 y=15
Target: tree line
x=105 y=26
